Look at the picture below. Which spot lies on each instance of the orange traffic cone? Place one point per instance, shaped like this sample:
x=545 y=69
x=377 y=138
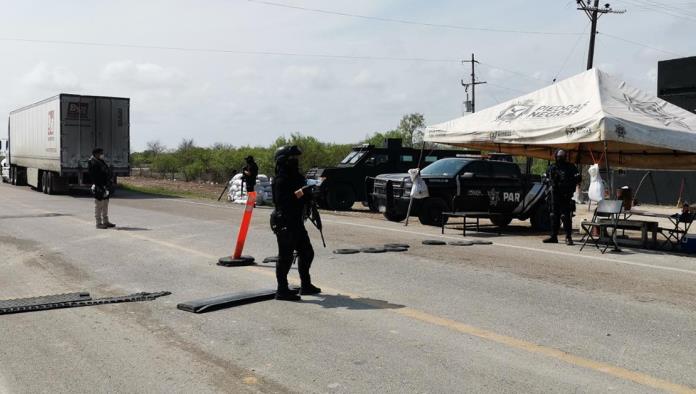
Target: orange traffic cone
x=237 y=260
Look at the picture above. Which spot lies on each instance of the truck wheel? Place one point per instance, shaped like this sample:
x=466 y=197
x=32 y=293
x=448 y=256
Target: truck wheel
x=372 y=205
x=341 y=197
x=394 y=216
x=540 y=219
x=501 y=221
x=43 y=179
x=13 y=180
x=431 y=212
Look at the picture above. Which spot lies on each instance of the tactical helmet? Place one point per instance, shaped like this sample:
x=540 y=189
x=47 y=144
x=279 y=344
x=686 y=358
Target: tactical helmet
x=560 y=153
x=284 y=152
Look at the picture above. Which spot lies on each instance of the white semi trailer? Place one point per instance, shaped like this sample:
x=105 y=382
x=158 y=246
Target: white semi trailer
x=50 y=142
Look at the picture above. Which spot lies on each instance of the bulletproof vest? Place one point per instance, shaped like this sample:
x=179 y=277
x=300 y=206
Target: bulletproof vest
x=564 y=177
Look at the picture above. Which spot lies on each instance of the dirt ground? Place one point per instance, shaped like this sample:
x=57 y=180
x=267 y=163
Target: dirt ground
x=202 y=189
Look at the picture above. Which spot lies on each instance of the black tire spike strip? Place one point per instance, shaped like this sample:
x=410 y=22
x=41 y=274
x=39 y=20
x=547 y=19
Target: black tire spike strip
x=90 y=302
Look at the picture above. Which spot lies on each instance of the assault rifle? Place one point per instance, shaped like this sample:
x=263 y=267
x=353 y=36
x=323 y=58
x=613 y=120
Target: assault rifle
x=311 y=210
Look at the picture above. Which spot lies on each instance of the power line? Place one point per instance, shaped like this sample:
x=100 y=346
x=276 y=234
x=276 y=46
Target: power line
x=639 y=44
x=530 y=77
x=508 y=88
x=572 y=51
x=231 y=51
x=662 y=9
x=407 y=22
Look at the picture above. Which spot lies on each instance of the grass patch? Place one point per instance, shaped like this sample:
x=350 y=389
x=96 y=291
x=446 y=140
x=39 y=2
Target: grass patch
x=165 y=191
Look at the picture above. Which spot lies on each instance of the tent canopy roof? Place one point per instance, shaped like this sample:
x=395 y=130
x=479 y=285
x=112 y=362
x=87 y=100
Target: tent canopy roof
x=590 y=115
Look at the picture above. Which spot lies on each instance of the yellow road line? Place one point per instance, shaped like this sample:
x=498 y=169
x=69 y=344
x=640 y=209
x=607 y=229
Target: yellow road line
x=618 y=372
x=511 y=342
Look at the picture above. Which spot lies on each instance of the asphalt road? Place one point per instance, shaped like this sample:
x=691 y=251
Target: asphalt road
x=515 y=316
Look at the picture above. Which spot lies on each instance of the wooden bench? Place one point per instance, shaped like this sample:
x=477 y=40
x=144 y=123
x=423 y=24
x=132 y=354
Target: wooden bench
x=464 y=215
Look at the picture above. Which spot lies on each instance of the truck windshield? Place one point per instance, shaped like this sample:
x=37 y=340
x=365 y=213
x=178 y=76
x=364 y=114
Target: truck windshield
x=353 y=157
x=445 y=167
x=349 y=157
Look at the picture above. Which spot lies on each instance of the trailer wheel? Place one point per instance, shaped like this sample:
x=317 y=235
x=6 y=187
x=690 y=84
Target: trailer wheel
x=48 y=185
x=43 y=180
x=20 y=176
x=13 y=180
x=431 y=212
x=540 y=219
x=341 y=197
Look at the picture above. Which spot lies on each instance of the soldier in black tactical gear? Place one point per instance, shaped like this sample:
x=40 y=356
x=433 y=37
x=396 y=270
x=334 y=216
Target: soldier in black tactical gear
x=290 y=194
x=563 y=178
x=102 y=187
x=249 y=174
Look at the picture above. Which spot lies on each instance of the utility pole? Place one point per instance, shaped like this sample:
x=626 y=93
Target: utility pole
x=471 y=108
x=594 y=12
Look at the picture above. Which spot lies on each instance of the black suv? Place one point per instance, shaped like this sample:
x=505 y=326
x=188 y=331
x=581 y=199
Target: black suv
x=470 y=184
x=351 y=179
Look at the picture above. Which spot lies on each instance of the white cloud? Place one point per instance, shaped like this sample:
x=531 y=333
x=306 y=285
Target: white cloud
x=496 y=74
x=57 y=79
x=307 y=77
x=366 y=79
x=143 y=75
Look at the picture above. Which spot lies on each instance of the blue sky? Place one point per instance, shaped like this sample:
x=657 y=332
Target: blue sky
x=252 y=99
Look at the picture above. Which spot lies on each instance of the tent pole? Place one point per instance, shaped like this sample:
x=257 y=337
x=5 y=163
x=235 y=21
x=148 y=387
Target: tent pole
x=609 y=174
x=410 y=200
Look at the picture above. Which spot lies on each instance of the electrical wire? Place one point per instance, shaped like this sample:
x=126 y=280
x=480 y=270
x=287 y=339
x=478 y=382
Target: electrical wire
x=230 y=51
x=640 y=44
x=507 y=88
x=407 y=22
x=530 y=77
x=651 y=7
x=572 y=51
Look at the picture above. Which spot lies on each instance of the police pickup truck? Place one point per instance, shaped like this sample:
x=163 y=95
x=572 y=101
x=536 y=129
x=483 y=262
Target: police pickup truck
x=466 y=184
x=351 y=180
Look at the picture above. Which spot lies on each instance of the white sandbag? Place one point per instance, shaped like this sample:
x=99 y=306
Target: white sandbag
x=419 y=189
x=577 y=196
x=596 y=191
x=238 y=193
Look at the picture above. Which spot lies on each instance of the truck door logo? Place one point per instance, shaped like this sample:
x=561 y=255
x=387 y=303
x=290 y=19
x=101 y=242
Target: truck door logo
x=51 y=124
x=493 y=197
x=77 y=111
x=511 y=197
x=51 y=121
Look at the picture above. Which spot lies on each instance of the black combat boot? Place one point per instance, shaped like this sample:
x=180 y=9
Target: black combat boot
x=287 y=295
x=309 y=289
x=569 y=241
x=551 y=240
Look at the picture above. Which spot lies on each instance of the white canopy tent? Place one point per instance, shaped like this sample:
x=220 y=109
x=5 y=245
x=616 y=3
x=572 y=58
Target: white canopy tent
x=593 y=116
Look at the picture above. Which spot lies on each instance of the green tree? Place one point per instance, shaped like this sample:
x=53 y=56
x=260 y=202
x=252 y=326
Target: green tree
x=408 y=126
